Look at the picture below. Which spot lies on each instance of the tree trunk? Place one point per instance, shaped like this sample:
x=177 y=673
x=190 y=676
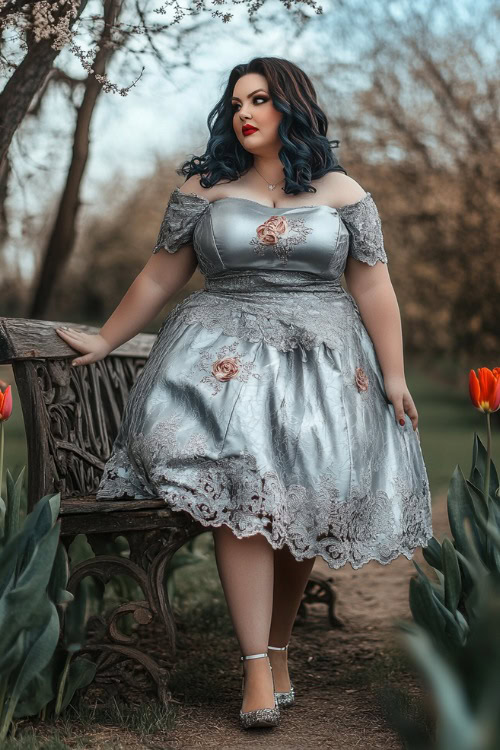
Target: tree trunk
x=20 y=89
x=63 y=234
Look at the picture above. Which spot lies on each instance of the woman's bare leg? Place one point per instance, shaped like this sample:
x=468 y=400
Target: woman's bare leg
x=246 y=571
x=290 y=579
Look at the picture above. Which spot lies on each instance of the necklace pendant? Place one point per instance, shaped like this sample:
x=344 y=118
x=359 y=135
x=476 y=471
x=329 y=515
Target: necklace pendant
x=271 y=187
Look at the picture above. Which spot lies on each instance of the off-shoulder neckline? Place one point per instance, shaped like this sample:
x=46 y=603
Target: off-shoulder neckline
x=270 y=208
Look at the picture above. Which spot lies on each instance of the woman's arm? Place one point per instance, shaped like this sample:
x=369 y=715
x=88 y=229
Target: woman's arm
x=162 y=276
x=372 y=289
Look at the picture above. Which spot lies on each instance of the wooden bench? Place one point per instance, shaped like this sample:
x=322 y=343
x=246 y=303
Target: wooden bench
x=71 y=417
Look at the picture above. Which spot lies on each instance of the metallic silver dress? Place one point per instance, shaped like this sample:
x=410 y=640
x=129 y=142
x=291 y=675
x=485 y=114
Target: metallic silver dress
x=262 y=403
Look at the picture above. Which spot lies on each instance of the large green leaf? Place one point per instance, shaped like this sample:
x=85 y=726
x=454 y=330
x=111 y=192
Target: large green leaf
x=21 y=606
x=38 y=693
x=456 y=727
x=39 y=649
x=42 y=644
x=480 y=457
x=19 y=550
x=11 y=657
x=460 y=507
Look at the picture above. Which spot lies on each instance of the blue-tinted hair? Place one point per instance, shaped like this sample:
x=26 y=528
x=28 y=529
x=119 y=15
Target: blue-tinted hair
x=306 y=153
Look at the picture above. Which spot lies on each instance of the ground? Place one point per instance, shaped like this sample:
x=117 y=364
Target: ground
x=343 y=677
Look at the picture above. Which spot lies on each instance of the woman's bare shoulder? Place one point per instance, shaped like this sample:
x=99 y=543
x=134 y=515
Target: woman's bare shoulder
x=341 y=189
x=192 y=185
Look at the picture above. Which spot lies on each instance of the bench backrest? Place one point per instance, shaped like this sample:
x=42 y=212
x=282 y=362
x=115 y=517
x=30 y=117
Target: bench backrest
x=71 y=414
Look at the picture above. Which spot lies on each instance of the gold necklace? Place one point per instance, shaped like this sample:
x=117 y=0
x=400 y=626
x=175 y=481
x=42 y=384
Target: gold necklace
x=269 y=186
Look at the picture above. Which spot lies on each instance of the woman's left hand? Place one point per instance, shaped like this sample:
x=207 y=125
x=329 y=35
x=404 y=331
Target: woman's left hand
x=398 y=393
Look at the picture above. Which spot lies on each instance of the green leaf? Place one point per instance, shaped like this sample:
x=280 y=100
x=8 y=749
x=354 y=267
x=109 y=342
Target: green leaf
x=22 y=606
x=19 y=550
x=13 y=503
x=460 y=507
x=40 y=648
x=452 y=578
x=456 y=727
x=59 y=577
x=424 y=608
x=81 y=673
x=432 y=553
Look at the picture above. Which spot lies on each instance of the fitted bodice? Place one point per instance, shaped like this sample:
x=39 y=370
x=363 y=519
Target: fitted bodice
x=235 y=234
x=232 y=236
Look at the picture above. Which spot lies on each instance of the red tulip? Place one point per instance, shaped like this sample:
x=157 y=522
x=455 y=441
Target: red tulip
x=484 y=389
x=5 y=404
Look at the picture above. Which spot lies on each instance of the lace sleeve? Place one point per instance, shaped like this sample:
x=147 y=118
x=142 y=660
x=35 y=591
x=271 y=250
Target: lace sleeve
x=181 y=215
x=366 y=242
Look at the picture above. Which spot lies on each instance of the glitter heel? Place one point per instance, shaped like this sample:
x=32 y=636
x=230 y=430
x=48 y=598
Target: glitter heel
x=286 y=698
x=260 y=717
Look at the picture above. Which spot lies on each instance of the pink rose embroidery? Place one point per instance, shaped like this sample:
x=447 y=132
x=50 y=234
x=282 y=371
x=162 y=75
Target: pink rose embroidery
x=361 y=379
x=227 y=366
x=281 y=234
x=268 y=232
x=225 y=369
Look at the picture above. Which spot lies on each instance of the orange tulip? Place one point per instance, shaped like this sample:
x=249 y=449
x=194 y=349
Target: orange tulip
x=5 y=404
x=484 y=389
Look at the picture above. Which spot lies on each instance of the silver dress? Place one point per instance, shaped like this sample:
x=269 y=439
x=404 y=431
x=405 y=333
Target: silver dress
x=262 y=404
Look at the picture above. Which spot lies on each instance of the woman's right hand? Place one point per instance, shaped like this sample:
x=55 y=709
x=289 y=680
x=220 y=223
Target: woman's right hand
x=92 y=346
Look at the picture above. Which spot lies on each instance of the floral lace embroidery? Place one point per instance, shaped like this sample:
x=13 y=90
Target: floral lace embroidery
x=282 y=320
x=368 y=525
x=281 y=234
x=228 y=365
x=182 y=213
x=365 y=228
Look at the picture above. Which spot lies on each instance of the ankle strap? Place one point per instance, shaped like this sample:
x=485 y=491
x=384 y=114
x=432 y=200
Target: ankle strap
x=278 y=648
x=252 y=656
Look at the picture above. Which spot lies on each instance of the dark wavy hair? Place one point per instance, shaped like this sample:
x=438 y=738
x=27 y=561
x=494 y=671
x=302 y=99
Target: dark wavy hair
x=306 y=153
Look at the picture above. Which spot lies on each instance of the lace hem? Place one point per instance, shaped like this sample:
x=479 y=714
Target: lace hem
x=314 y=521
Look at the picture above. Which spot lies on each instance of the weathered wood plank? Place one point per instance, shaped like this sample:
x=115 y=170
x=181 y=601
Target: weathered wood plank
x=23 y=338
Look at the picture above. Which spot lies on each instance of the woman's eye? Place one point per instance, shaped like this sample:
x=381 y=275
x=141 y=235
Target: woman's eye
x=255 y=99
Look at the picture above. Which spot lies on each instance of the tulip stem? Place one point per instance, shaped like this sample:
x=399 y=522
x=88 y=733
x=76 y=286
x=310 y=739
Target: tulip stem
x=488 y=455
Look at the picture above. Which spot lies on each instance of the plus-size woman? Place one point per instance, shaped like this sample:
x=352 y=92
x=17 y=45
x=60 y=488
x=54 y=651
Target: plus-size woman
x=273 y=406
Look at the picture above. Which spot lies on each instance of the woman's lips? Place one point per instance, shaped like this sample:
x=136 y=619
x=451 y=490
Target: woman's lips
x=249 y=131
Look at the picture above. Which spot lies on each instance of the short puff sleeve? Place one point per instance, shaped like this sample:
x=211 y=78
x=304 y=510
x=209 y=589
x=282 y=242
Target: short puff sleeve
x=366 y=242
x=180 y=218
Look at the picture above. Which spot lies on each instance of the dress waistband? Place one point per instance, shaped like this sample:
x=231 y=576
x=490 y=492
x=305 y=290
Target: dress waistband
x=272 y=281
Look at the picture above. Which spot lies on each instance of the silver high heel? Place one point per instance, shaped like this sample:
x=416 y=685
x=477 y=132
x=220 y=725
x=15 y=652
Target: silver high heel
x=260 y=717
x=287 y=698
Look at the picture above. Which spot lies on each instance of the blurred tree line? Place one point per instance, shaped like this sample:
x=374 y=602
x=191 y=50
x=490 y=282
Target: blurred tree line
x=420 y=133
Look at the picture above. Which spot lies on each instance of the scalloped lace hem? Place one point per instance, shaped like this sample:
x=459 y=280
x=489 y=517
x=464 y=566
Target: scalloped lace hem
x=407 y=549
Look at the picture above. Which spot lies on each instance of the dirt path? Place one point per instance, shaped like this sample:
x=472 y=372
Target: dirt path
x=340 y=675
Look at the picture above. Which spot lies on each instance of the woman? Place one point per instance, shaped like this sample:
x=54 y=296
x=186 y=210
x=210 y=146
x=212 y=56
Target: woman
x=273 y=406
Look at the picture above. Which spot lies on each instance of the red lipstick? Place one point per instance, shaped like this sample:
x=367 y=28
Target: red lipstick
x=247 y=129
